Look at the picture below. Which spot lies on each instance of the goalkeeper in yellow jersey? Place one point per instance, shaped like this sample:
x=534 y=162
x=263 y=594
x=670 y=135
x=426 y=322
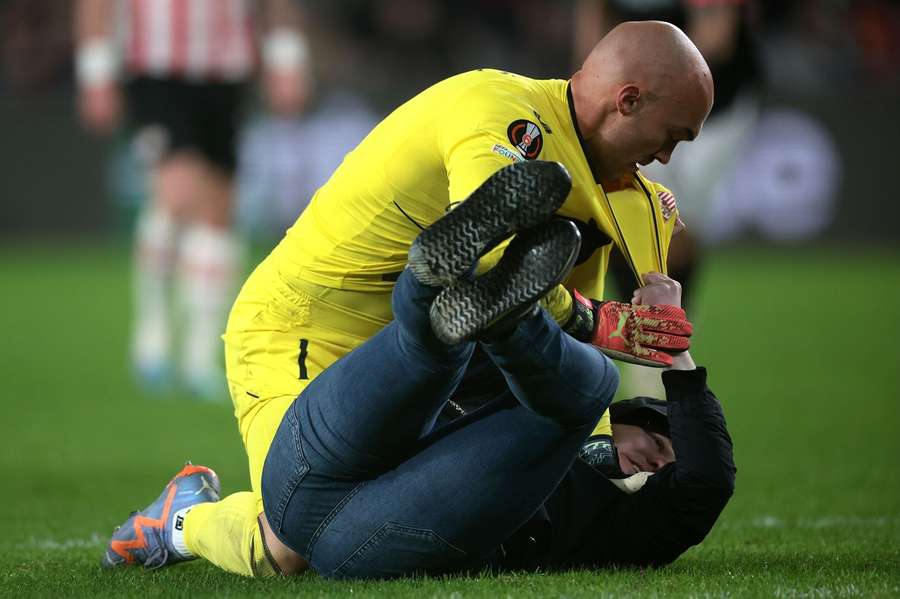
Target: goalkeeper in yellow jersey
x=499 y=154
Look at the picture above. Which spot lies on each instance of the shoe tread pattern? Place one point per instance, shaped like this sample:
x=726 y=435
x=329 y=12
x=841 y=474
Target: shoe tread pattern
x=517 y=197
x=536 y=261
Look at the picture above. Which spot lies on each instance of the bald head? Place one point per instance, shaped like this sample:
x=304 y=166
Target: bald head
x=653 y=54
x=641 y=75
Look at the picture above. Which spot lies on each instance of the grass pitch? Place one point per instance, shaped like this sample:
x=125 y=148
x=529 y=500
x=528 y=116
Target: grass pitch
x=801 y=347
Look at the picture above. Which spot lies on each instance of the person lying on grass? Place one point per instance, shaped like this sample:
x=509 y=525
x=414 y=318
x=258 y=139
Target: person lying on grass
x=443 y=181
x=645 y=496
x=508 y=486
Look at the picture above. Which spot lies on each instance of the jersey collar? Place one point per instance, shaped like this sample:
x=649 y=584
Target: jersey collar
x=574 y=119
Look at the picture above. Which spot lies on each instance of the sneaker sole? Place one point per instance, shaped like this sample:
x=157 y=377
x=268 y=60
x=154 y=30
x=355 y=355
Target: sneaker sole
x=515 y=198
x=535 y=261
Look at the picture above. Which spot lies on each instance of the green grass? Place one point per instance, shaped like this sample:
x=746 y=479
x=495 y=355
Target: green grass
x=802 y=350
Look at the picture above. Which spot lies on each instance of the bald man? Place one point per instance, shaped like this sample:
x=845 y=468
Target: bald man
x=495 y=140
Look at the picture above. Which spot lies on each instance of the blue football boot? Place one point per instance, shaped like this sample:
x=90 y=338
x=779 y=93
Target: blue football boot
x=146 y=537
x=153 y=379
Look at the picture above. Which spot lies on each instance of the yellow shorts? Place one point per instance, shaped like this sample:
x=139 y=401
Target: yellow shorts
x=278 y=338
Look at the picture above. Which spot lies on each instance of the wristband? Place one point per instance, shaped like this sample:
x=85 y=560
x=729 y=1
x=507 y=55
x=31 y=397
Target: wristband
x=95 y=62
x=581 y=324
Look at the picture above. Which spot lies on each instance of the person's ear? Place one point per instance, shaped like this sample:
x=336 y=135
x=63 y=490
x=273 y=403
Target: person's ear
x=628 y=99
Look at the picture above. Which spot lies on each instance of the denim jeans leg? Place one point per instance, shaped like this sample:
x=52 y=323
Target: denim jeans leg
x=552 y=373
x=472 y=484
x=360 y=417
x=355 y=483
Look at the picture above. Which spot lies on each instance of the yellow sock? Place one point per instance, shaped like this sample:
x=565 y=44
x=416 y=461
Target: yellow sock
x=227 y=534
x=603 y=427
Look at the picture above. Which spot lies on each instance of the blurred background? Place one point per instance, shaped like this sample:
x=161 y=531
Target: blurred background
x=792 y=201
x=825 y=77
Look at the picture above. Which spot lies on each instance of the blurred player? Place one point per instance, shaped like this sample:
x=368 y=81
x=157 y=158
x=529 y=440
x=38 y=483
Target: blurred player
x=486 y=147
x=183 y=66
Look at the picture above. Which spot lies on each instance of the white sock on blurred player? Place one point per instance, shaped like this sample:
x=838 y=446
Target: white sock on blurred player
x=209 y=260
x=154 y=260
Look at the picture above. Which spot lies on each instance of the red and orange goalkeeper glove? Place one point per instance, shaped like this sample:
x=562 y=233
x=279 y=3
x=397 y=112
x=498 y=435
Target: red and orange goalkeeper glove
x=632 y=333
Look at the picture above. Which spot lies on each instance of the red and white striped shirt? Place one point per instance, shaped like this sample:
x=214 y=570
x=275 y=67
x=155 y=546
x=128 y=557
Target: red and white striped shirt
x=199 y=40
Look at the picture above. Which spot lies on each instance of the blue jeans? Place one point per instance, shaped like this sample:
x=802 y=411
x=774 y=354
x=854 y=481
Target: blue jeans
x=360 y=482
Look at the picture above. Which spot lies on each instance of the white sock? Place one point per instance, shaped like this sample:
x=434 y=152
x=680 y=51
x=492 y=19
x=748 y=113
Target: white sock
x=153 y=265
x=178 y=533
x=209 y=260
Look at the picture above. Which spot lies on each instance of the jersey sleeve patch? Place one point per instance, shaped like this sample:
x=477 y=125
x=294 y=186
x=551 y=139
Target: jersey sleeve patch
x=526 y=137
x=506 y=153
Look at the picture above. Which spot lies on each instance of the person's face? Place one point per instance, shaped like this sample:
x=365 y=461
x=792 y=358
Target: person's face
x=641 y=451
x=647 y=128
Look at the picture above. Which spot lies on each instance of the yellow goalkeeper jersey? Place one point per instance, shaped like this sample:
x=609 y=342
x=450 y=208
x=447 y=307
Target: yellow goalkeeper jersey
x=326 y=287
x=434 y=150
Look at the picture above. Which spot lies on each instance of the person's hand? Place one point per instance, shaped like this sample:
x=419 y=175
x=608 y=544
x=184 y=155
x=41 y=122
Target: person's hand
x=647 y=331
x=100 y=106
x=658 y=289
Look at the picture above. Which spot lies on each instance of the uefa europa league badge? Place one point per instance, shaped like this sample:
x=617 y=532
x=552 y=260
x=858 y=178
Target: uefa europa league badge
x=526 y=136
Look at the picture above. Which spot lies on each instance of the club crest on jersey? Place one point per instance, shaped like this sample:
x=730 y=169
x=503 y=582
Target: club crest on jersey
x=526 y=136
x=666 y=203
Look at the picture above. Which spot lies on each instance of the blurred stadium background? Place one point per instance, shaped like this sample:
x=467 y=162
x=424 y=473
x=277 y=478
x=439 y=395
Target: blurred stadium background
x=829 y=71
x=796 y=309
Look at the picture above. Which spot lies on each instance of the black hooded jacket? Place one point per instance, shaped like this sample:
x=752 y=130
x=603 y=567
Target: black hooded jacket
x=593 y=523
x=589 y=522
